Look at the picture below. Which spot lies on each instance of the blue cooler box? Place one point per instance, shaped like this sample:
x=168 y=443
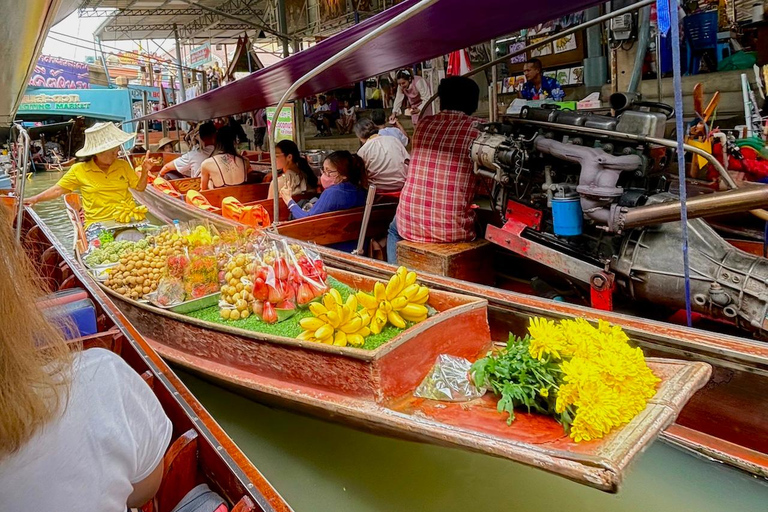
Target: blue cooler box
x=76 y=318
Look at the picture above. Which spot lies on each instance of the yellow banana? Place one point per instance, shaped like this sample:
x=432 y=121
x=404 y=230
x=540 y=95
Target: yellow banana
x=311 y=323
x=326 y=331
x=394 y=287
x=318 y=309
x=401 y=272
x=351 y=303
x=336 y=296
x=413 y=310
x=381 y=316
x=414 y=320
x=421 y=296
x=329 y=302
x=410 y=278
x=368 y=302
x=399 y=303
x=365 y=331
x=340 y=339
x=396 y=320
x=334 y=319
x=410 y=291
x=307 y=336
x=377 y=324
x=353 y=325
x=356 y=340
x=379 y=291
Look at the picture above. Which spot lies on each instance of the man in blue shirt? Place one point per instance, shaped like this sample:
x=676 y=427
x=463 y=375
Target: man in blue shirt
x=537 y=86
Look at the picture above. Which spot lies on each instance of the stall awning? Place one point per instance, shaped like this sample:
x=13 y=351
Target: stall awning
x=443 y=27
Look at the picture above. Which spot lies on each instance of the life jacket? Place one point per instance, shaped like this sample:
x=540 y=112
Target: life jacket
x=255 y=215
x=195 y=198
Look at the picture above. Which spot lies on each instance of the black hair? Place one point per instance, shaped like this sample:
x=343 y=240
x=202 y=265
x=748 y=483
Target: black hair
x=137 y=149
x=289 y=148
x=379 y=117
x=321 y=97
x=536 y=63
x=207 y=130
x=405 y=74
x=364 y=128
x=352 y=167
x=458 y=93
x=225 y=142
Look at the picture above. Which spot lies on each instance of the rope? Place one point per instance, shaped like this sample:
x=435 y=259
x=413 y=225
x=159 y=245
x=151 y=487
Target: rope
x=674 y=25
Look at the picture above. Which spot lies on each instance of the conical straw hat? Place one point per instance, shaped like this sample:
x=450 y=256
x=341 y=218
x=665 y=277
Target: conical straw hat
x=102 y=137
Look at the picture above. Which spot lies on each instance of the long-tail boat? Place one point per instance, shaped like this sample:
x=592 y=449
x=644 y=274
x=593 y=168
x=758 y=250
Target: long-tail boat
x=374 y=389
x=200 y=451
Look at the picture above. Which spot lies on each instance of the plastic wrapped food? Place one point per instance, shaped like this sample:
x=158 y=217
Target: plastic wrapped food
x=170 y=291
x=449 y=381
x=201 y=274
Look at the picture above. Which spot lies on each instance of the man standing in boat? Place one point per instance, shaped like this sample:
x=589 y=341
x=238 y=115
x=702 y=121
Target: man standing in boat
x=188 y=165
x=438 y=192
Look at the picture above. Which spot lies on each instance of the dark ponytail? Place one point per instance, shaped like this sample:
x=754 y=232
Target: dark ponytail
x=352 y=167
x=289 y=148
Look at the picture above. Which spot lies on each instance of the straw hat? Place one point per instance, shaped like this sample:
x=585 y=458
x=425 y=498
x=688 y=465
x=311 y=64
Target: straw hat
x=102 y=137
x=165 y=140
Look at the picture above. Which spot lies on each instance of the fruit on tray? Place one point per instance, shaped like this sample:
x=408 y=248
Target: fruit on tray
x=401 y=300
x=336 y=322
x=111 y=252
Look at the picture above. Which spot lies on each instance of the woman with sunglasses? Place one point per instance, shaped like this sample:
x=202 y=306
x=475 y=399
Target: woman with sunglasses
x=344 y=186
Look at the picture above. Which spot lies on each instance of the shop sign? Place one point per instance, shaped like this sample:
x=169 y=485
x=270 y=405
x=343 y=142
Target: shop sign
x=56 y=73
x=47 y=102
x=200 y=55
x=285 y=126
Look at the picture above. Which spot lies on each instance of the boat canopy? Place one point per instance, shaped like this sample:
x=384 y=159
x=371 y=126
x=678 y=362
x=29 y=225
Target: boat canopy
x=445 y=26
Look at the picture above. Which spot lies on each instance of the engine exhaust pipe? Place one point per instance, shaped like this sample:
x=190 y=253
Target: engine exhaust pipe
x=717 y=203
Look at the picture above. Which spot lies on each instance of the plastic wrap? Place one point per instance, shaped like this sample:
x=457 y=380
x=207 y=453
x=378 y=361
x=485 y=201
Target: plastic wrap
x=449 y=381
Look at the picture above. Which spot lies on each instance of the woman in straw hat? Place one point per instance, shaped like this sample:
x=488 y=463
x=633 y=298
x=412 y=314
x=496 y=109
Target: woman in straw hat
x=103 y=180
x=166 y=145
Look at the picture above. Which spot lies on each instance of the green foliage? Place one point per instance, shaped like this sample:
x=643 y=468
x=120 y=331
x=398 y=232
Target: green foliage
x=521 y=380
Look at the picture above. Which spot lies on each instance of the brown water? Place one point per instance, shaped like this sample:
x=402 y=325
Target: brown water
x=319 y=466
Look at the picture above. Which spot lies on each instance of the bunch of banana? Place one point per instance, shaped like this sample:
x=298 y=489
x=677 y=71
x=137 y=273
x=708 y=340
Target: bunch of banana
x=126 y=213
x=336 y=322
x=400 y=300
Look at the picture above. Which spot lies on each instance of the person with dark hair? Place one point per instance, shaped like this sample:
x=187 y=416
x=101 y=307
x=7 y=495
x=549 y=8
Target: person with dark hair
x=435 y=204
x=537 y=86
x=188 y=165
x=298 y=176
x=322 y=117
x=397 y=131
x=347 y=117
x=416 y=90
x=344 y=184
x=226 y=167
x=386 y=159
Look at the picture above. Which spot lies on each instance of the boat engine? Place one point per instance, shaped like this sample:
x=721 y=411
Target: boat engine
x=589 y=196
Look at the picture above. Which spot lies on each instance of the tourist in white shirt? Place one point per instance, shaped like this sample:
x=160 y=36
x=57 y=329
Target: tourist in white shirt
x=188 y=165
x=386 y=159
x=80 y=430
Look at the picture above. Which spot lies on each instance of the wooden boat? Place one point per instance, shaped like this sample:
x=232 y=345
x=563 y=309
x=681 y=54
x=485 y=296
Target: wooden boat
x=200 y=451
x=373 y=389
x=726 y=421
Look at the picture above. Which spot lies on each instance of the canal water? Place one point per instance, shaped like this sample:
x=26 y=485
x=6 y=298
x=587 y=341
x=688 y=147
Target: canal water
x=319 y=466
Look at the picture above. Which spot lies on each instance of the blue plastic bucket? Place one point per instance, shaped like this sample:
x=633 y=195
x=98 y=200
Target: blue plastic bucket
x=567 y=216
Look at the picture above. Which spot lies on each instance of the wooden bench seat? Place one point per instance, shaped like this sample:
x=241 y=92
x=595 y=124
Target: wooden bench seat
x=468 y=261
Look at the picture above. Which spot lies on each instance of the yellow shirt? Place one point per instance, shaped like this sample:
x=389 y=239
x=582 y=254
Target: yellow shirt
x=101 y=190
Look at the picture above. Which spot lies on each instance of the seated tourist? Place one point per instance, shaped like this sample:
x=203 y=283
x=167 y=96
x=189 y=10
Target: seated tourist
x=226 y=167
x=297 y=175
x=79 y=429
x=441 y=172
x=188 y=164
x=343 y=181
x=386 y=159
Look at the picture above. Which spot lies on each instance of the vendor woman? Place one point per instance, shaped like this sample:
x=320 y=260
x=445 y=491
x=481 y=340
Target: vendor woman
x=416 y=90
x=103 y=180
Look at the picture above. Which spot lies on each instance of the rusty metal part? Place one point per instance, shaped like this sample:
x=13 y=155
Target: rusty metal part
x=717 y=203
